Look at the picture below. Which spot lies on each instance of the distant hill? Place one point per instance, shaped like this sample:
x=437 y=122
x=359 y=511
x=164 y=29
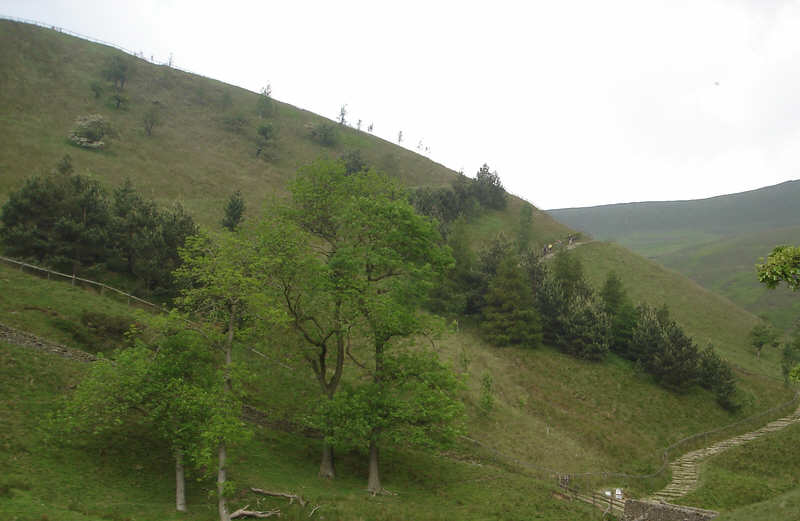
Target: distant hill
x=715 y=241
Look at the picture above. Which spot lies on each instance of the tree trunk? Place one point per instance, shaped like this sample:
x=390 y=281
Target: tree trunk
x=221 y=476
x=180 y=483
x=326 y=468
x=223 y=455
x=374 y=480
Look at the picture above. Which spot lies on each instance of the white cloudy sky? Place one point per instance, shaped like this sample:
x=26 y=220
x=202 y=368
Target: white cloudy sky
x=574 y=103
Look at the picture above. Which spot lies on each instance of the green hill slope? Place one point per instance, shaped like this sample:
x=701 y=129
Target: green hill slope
x=715 y=241
x=553 y=414
x=193 y=156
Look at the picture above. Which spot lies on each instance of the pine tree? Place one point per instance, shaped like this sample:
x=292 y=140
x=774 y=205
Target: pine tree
x=234 y=211
x=509 y=317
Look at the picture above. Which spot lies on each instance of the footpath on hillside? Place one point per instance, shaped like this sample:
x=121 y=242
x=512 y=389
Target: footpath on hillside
x=685 y=470
x=23 y=339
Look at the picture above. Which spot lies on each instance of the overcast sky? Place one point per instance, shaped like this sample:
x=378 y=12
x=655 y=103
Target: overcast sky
x=573 y=103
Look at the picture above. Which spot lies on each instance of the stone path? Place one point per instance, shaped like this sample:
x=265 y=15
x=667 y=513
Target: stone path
x=21 y=338
x=685 y=469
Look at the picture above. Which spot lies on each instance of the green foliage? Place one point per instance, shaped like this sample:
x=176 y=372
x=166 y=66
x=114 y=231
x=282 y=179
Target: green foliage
x=354 y=162
x=235 y=123
x=790 y=356
x=509 y=315
x=146 y=238
x=782 y=265
x=661 y=347
x=617 y=304
x=264 y=104
x=763 y=335
x=716 y=375
x=325 y=134
x=59 y=220
x=152 y=118
x=97 y=89
x=489 y=189
x=414 y=405
x=118 y=70
x=234 y=211
x=525 y=228
x=91 y=131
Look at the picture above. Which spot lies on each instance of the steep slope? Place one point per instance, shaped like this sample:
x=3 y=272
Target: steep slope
x=553 y=414
x=196 y=155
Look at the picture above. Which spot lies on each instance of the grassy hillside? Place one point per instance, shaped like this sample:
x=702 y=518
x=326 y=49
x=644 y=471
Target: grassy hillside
x=193 y=156
x=706 y=316
x=716 y=242
x=553 y=414
x=727 y=266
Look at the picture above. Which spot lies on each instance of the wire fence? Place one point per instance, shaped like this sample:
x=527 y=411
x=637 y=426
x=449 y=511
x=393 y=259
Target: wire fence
x=141 y=55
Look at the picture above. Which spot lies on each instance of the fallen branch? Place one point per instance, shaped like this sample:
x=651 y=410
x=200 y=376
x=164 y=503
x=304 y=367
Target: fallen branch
x=314 y=510
x=261 y=514
x=291 y=497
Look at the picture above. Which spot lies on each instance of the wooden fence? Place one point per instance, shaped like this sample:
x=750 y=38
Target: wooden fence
x=103 y=289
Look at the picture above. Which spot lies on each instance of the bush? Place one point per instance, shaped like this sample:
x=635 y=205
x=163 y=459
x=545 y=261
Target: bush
x=92 y=131
x=324 y=134
x=234 y=123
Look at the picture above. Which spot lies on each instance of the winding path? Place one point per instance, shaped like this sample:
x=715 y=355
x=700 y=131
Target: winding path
x=685 y=471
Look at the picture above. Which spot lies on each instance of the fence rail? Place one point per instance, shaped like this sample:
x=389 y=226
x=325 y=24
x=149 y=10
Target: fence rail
x=103 y=288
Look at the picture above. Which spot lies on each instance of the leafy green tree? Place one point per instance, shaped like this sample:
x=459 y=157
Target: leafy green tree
x=118 y=70
x=221 y=285
x=325 y=134
x=763 y=335
x=509 y=316
x=393 y=258
x=782 y=266
x=790 y=357
x=166 y=388
x=59 y=220
x=354 y=162
x=413 y=404
x=234 y=211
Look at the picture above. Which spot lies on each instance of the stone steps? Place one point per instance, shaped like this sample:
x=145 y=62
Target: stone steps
x=685 y=472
